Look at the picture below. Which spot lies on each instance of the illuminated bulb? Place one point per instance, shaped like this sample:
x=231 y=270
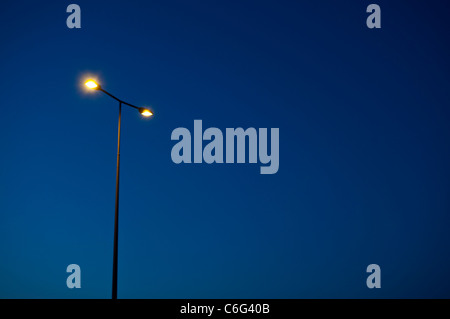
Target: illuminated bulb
x=91 y=84
x=145 y=112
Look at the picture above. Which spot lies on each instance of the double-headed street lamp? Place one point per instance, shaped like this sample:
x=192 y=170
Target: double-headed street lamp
x=147 y=113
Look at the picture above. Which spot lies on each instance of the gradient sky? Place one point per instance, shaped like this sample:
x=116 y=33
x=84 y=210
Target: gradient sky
x=364 y=149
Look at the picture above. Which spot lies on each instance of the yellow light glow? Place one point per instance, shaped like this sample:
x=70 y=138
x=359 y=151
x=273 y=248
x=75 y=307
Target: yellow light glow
x=91 y=84
x=146 y=112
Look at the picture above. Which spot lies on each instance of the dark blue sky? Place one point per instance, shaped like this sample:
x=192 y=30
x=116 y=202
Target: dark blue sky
x=364 y=149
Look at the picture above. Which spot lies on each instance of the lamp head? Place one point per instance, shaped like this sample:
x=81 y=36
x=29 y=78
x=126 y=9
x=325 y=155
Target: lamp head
x=92 y=85
x=145 y=112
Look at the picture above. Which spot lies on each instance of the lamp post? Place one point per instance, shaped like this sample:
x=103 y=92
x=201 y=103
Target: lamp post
x=147 y=113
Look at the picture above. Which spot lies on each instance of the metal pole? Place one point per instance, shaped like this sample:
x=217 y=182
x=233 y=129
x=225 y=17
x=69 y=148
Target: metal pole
x=116 y=219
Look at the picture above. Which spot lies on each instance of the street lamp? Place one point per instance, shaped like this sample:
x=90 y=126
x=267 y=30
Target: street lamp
x=91 y=84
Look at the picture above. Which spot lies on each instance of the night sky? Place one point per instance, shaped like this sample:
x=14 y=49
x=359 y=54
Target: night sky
x=364 y=174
